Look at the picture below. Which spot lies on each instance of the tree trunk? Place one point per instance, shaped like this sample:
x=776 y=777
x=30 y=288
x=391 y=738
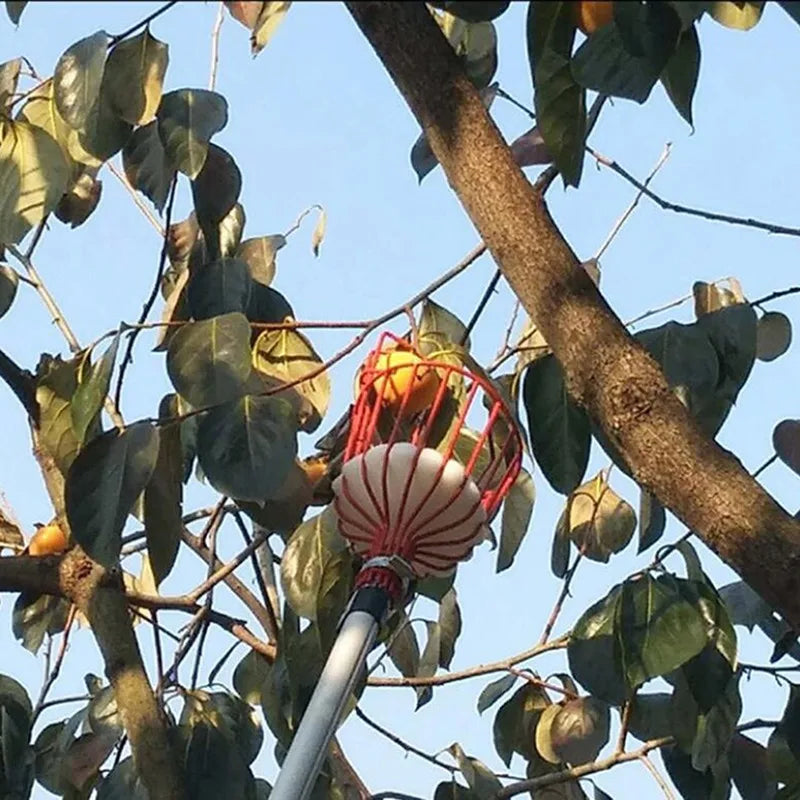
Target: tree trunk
x=607 y=372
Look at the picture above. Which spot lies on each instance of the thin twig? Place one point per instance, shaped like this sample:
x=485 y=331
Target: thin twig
x=296 y=225
x=625 y=721
x=662 y=784
x=771 y=460
x=146 y=21
x=487 y=294
x=559 y=604
x=635 y=202
x=695 y=212
x=205 y=623
x=775 y=295
x=215 y=31
x=140 y=204
x=51 y=678
x=473 y=672
x=127 y=359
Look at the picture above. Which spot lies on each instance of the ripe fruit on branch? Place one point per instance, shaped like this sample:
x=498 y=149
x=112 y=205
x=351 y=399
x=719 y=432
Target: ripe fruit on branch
x=48 y=540
x=402 y=373
x=590 y=15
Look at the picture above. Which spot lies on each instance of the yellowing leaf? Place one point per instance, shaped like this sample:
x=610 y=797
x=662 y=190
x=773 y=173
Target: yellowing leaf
x=34 y=174
x=271 y=16
x=134 y=77
x=598 y=520
x=739 y=16
x=77 y=78
x=319 y=233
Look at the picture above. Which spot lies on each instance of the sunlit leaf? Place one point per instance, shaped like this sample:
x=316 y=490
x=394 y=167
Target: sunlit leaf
x=473 y=12
x=249 y=677
x=544 y=739
x=517 y=513
x=580 y=730
x=9 y=75
x=187 y=119
x=483 y=782
x=247 y=446
x=403 y=647
x=77 y=78
x=209 y=361
x=34 y=175
x=740 y=16
x=134 y=76
x=9 y=280
x=269 y=18
x=102 y=485
x=319 y=233
x=515 y=722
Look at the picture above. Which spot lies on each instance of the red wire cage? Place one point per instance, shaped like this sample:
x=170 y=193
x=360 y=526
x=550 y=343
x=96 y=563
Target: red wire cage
x=418 y=481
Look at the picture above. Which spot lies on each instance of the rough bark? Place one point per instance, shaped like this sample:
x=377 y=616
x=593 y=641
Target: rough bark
x=607 y=372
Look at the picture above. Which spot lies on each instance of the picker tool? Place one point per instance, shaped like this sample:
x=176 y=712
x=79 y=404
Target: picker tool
x=417 y=490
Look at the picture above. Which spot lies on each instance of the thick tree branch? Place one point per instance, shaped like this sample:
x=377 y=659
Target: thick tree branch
x=607 y=372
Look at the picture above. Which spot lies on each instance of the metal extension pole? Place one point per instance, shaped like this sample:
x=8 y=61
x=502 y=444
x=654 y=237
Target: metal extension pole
x=321 y=718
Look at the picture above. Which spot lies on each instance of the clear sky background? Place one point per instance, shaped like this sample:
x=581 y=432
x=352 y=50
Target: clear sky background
x=315 y=119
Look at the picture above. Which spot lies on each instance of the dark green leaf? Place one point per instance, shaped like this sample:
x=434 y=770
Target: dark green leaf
x=436 y=324
x=680 y=75
x=750 y=769
x=422 y=158
x=428 y=662
x=473 y=12
x=450 y=790
x=436 y=587
x=599 y=794
x=14 y=9
x=449 y=628
x=78 y=204
x=209 y=361
x=559 y=429
x=77 y=79
x=626 y=57
x=403 y=647
x=103 y=135
x=215 y=191
x=560 y=549
x=55 y=385
x=259 y=254
x=122 y=783
x=187 y=119
x=36 y=615
x=692 y=785
x=790 y=722
x=333 y=594
x=715 y=728
x=249 y=677
x=163 y=497
x=102 y=485
x=134 y=76
x=146 y=165
x=219 y=287
x=650 y=716
x=247 y=446
x=773 y=335
x=93 y=381
x=515 y=722
x=652 y=520
x=493 y=691
x=517 y=513
x=9 y=280
x=559 y=101
x=745 y=607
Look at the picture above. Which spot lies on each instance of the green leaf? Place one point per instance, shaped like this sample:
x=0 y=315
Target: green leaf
x=744 y=605
x=77 y=79
x=134 y=77
x=483 y=782
x=626 y=57
x=312 y=545
x=102 y=485
x=438 y=328
x=249 y=677
x=715 y=728
x=786 y=442
x=493 y=691
x=37 y=615
x=515 y=723
x=559 y=429
x=403 y=648
x=559 y=101
x=56 y=381
x=428 y=662
x=80 y=201
x=34 y=176
x=146 y=165
x=122 y=783
x=219 y=287
x=259 y=254
x=692 y=785
x=215 y=191
x=208 y=362
x=267 y=305
x=9 y=280
x=449 y=628
x=680 y=75
x=103 y=134
x=187 y=119
x=650 y=716
x=269 y=18
x=93 y=382
x=422 y=158
x=288 y=356
x=580 y=730
x=333 y=594
x=750 y=768
x=517 y=513
x=450 y=790
x=652 y=520
x=247 y=446
x=14 y=697
x=9 y=76
x=163 y=496
x=560 y=549
x=773 y=335
x=15 y=9
x=789 y=726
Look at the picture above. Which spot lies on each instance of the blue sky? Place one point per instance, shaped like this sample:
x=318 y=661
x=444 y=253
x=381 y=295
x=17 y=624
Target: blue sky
x=315 y=119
